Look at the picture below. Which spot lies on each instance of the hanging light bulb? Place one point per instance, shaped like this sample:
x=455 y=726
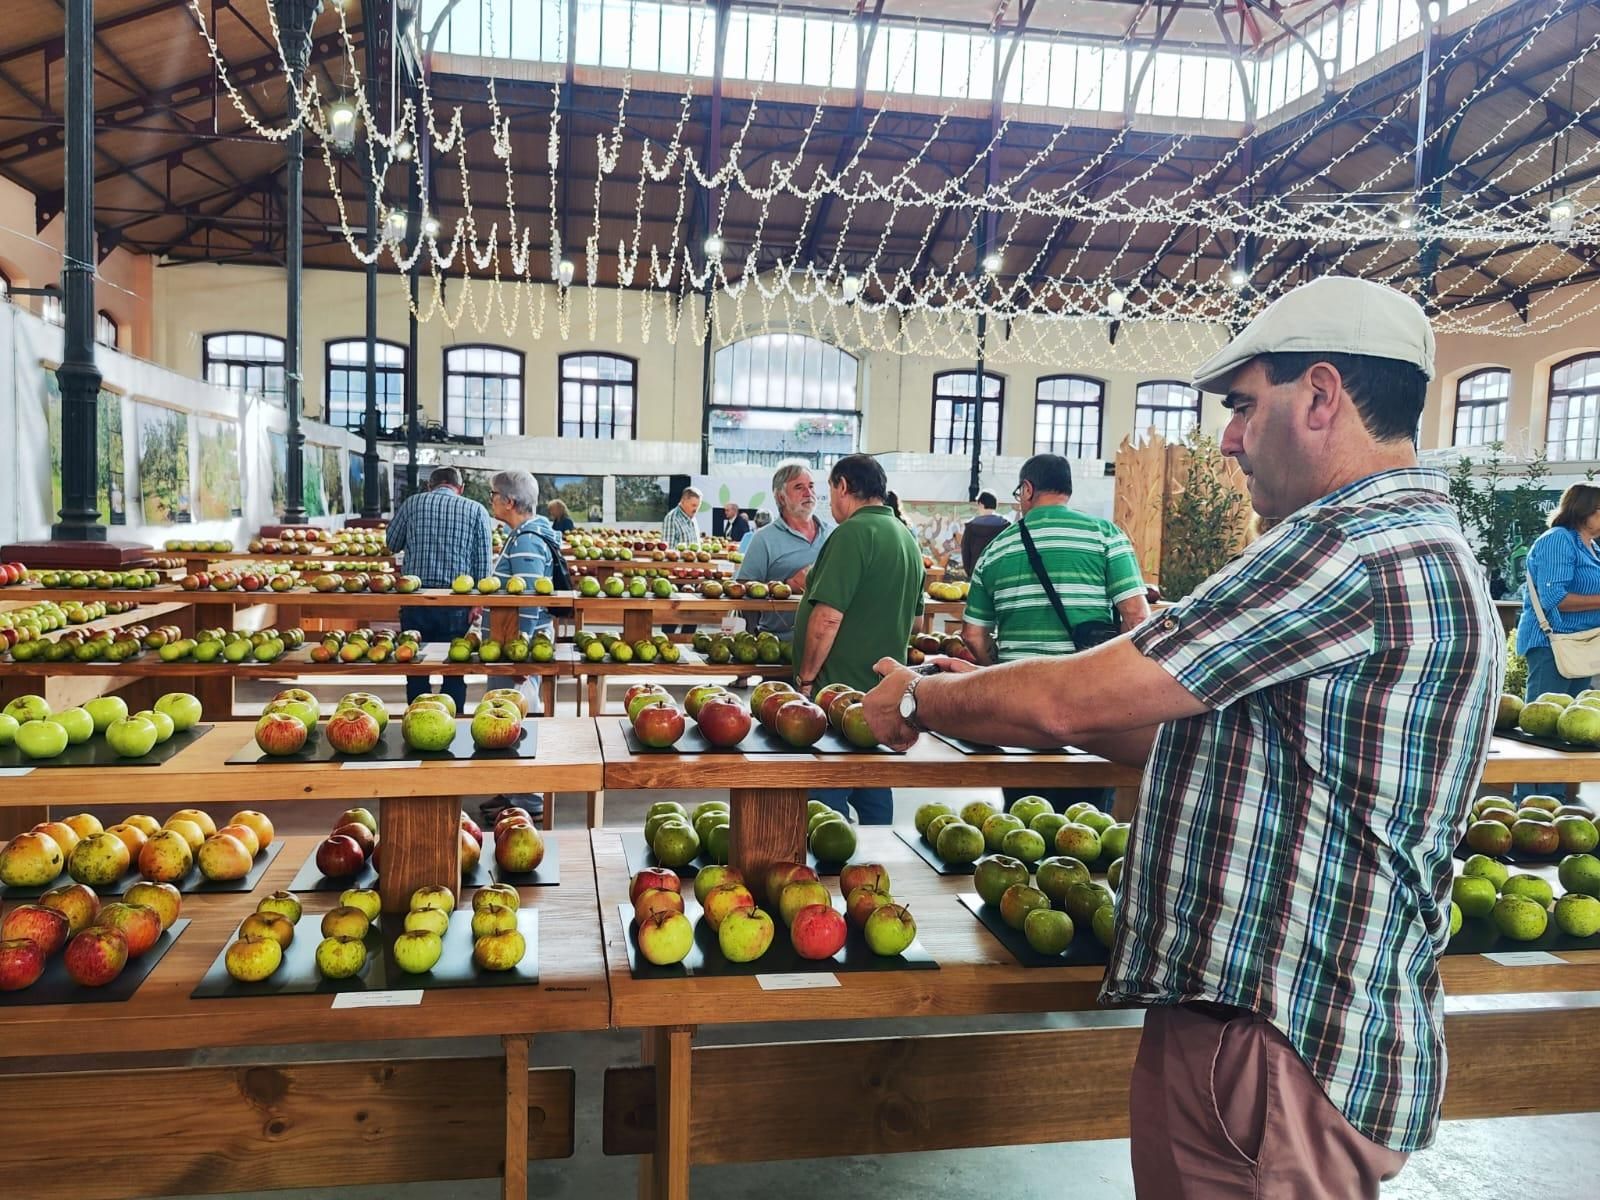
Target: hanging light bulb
x=341 y=119
x=396 y=224
x=852 y=287
x=403 y=150
x=1116 y=302
x=430 y=226
x=1562 y=213
x=714 y=246
x=564 y=272
x=1237 y=279
x=991 y=264
x=1405 y=218
x=1434 y=12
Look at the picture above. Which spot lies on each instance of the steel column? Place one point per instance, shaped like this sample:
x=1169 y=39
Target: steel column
x=295 y=18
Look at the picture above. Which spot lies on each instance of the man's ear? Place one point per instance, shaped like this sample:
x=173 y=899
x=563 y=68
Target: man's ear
x=1327 y=395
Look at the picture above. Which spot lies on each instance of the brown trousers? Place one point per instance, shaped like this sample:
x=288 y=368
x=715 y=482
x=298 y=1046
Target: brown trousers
x=1223 y=1107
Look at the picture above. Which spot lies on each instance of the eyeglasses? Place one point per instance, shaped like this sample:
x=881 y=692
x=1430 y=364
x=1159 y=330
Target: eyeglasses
x=494 y=495
x=1016 y=492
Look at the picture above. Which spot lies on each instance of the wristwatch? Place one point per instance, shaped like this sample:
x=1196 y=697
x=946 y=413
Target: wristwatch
x=908 y=704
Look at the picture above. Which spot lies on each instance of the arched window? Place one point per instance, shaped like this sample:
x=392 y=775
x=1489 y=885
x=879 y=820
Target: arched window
x=1066 y=416
x=955 y=412
x=779 y=396
x=1173 y=408
x=345 y=397
x=105 y=329
x=599 y=397
x=1573 y=429
x=245 y=362
x=50 y=309
x=483 y=390
x=1481 y=407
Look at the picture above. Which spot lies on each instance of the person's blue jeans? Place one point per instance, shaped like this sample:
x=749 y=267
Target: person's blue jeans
x=437 y=625
x=874 y=806
x=1544 y=677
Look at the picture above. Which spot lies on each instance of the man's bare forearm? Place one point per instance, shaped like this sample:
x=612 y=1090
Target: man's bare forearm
x=821 y=631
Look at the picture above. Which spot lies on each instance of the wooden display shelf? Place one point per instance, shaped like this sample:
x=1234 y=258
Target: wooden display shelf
x=298 y=598
x=1518 y=762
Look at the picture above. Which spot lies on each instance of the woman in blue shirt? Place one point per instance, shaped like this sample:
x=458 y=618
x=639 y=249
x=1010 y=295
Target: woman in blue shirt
x=1565 y=567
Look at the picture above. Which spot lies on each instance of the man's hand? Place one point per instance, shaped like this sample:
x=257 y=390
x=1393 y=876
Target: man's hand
x=798 y=579
x=883 y=706
x=954 y=666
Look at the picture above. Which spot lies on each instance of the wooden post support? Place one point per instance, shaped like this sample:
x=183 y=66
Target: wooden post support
x=514 y=1179
x=636 y=624
x=421 y=846
x=670 y=1163
x=765 y=826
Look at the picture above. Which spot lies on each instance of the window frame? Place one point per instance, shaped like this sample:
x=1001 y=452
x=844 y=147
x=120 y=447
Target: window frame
x=328 y=368
x=1098 y=404
x=116 y=330
x=207 y=358
x=1139 y=427
x=561 y=397
x=1503 y=402
x=5 y=286
x=521 y=377
x=1554 y=392
x=982 y=401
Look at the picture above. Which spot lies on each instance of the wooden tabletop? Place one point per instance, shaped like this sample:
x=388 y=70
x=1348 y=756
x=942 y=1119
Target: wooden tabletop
x=930 y=763
x=1517 y=762
x=568 y=761
x=295 y=663
x=299 y=597
x=571 y=993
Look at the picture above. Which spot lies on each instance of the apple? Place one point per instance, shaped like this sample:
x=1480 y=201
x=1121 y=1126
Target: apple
x=253 y=958
x=42 y=739
x=8 y=725
x=1018 y=900
x=346 y=920
x=434 y=895
x=495 y=895
x=188 y=830
x=21 y=964
x=471 y=829
x=139 y=925
x=723 y=721
x=770 y=687
x=46 y=927
x=427 y=727
x=862 y=902
x=496 y=920
x=284 y=904
x=654 y=877
x=164 y=899
x=697 y=696
x=271 y=925
x=665 y=938
x=132 y=837
x=431 y=919
x=279 y=733
x=99 y=861
x=726 y=898
x=854 y=875
x=641 y=689
x=163 y=723
x=105 y=709
x=353 y=731
x=654 y=900
x=27 y=708
x=800 y=894
x=818 y=931
x=508 y=696
x=144 y=823
x=243 y=834
x=77 y=902
x=339 y=857
x=471 y=852
x=500 y=951
x=360 y=816
x=714 y=876
x=258 y=823
x=369 y=704
x=890 y=930
x=366 y=899
x=513 y=815
x=31 y=860
x=780 y=874
x=519 y=849
x=659 y=725
x=341 y=957
x=306 y=712
x=800 y=723
x=436 y=698
x=359 y=834
x=496 y=726
x=417 y=951
x=166 y=857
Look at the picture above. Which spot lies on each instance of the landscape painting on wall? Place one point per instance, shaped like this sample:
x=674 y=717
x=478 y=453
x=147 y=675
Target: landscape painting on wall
x=164 y=487
x=278 y=445
x=584 y=495
x=333 y=479
x=311 y=482
x=356 y=467
x=220 y=495
x=938 y=525
x=110 y=492
x=641 y=498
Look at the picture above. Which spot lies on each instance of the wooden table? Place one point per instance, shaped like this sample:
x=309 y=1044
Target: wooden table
x=348 y=1112
x=420 y=810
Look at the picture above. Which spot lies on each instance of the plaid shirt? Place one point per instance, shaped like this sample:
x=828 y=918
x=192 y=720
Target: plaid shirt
x=442 y=535
x=1291 y=853
x=527 y=553
x=678 y=527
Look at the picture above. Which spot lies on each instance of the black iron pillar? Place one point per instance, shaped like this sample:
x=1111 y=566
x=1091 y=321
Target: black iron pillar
x=78 y=375
x=371 y=506
x=294 y=19
x=414 y=224
x=708 y=198
x=1424 y=179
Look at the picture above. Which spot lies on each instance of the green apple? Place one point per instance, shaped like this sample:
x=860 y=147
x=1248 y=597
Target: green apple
x=341 y=957
x=417 y=950
x=8 y=729
x=106 y=709
x=77 y=722
x=1048 y=930
x=41 y=739
x=430 y=920
x=493 y=920
x=132 y=737
x=182 y=707
x=165 y=725
x=366 y=899
x=27 y=708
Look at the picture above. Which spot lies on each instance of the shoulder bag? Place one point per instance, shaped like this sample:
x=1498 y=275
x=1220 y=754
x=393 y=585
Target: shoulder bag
x=1577 y=655
x=1085 y=633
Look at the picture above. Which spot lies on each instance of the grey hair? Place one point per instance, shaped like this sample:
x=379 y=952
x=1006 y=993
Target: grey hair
x=690 y=491
x=518 y=489
x=785 y=475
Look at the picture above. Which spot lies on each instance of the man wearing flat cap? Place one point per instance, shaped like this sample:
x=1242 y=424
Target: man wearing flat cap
x=1311 y=721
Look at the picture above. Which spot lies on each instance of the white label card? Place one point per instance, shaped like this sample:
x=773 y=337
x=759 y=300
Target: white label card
x=402 y=999
x=1526 y=958
x=353 y=764
x=15 y=772
x=795 y=981
x=732 y=622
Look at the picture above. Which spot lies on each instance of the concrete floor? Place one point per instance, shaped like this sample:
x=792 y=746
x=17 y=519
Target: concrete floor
x=1554 y=1158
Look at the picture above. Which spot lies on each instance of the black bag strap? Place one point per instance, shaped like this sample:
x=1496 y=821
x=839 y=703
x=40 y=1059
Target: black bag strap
x=1044 y=578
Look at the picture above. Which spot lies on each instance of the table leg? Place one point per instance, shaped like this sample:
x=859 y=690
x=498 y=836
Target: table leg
x=664 y=1175
x=421 y=846
x=514 y=1180
x=596 y=694
x=596 y=815
x=637 y=624
x=765 y=826
x=547 y=694
x=548 y=821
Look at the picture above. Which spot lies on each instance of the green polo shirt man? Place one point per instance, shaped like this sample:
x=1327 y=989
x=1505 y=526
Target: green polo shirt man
x=860 y=600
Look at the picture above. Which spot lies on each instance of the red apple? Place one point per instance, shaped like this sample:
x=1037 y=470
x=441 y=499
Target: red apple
x=861 y=902
x=799 y=722
x=659 y=726
x=470 y=827
x=654 y=900
x=781 y=874
x=352 y=730
x=654 y=877
x=854 y=875
x=641 y=689
x=139 y=925
x=471 y=852
x=96 y=956
x=359 y=834
x=77 y=902
x=340 y=856
x=520 y=848
x=818 y=931
x=724 y=721
x=766 y=708
x=21 y=964
x=45 y=927
x=279 y=733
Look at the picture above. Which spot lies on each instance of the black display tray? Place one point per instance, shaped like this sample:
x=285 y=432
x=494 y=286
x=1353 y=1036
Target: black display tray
x=1549 y=743
x=193 y=882
x=705 y=956
x=1479 y=936
x=309 y=879
x=1085 y=950
x=640 y=856
x=967 y=747
x=391 y=747
x=925 y=852
x=96 y=753
x=298 y=973
x=758 y=741
x=55 y=986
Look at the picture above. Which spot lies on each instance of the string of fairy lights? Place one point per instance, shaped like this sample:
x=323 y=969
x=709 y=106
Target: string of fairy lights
x=1037 y=311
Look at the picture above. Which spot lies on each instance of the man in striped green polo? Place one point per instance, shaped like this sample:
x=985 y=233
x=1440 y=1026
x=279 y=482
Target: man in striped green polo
x=1088 y=561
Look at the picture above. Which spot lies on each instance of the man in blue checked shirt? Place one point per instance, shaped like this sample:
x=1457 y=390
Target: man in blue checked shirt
x=442 y=534
x=528 y=553
x=1312 y=722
